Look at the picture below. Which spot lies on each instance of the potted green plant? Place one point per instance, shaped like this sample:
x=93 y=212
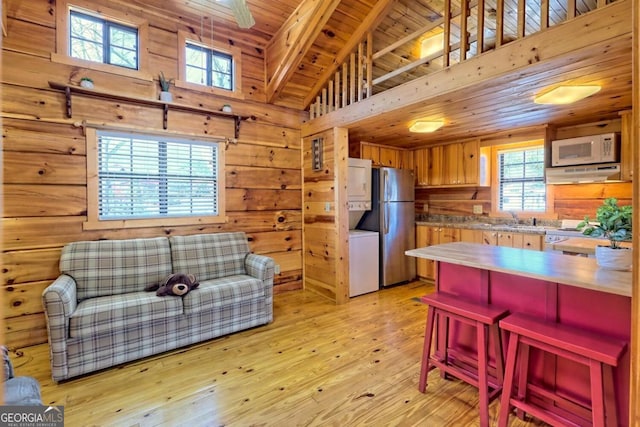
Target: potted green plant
x=165 y=83
x=613 y=222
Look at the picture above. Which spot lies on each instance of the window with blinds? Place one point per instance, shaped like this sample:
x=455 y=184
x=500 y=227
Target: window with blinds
x=521 y=180
x=146 y=176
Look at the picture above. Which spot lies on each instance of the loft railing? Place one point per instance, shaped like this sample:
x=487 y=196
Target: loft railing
x=473 y=28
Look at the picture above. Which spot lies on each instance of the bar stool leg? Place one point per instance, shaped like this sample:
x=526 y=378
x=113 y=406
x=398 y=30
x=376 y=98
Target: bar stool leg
x=510 y=369
x=426 y=351
x=483 y=387
x=597 y=393
x=523 y=378
x=499 y=353
x=611 y=414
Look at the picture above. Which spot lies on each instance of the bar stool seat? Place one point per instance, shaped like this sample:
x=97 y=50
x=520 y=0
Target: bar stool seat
x=485 y=320
x=598 y=353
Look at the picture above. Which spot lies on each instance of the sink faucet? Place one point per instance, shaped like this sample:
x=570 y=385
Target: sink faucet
x=514 y=215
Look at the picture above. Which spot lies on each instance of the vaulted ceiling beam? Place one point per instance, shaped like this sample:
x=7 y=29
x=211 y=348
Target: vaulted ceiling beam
x=292 y=42
x=377 y=14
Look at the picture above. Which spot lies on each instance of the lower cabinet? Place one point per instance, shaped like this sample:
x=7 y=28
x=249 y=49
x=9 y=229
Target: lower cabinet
x=428 y=235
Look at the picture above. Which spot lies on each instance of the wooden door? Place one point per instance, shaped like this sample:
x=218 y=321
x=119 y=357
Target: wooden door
x=405 y=159
x=370 y=152
x=389 y=157
x=469 y=172
x=505 y=239
x=532 y=241
x=489 y=237
x=435 y=165
x=422 y=240
x=469 y=235
x=451 y=164
x=421 y=166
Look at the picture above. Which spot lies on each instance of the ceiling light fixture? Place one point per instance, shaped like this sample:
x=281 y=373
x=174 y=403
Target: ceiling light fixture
x=566 y=94
x=426 y=126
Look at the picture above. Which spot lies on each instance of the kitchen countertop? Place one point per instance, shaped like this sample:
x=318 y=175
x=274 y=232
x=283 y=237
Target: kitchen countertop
x=583 y=245
x=553 y=267
x=520 y=228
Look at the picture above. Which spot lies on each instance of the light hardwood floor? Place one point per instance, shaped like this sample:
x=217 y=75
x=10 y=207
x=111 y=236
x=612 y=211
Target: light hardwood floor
x=317 y=364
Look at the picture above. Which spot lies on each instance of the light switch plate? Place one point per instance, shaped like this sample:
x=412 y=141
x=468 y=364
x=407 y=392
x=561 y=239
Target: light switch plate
x=477 y=209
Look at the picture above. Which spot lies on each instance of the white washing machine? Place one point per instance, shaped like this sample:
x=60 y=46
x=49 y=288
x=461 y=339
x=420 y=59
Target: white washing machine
x=363 y=262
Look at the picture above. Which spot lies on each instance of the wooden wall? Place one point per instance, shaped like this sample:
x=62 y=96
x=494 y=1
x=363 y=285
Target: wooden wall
x=326 y=218
x=45 y=201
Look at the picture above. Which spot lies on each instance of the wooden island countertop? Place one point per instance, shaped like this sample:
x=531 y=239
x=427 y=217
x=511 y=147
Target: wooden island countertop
x=548 y=266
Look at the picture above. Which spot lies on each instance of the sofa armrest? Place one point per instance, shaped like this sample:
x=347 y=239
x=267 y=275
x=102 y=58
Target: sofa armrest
x=59 y=301
x=260 y=266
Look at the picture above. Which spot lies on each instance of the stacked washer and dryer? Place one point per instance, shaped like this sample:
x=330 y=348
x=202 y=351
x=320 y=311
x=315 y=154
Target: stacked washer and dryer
x=363 y=245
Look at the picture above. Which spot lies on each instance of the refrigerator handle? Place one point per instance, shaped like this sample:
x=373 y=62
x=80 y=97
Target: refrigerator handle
x=385 y=217
x=385 y=185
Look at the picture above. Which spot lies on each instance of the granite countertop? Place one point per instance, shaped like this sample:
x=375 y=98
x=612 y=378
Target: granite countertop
x=519 y=228
x=583 y=245
x=550 y=266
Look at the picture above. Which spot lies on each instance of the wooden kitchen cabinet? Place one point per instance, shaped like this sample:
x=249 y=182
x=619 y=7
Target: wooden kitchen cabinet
x=428 y=236
x=421 y=166
x=505 y=239
x=469 y=235
x=448 y=165
x=489 y=237
x=387 y=156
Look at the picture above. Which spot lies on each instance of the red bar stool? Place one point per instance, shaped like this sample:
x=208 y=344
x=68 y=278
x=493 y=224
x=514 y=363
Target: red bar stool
x=598 y=353
x=485 y=320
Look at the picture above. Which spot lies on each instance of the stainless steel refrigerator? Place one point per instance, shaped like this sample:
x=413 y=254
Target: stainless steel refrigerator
x=392 y=215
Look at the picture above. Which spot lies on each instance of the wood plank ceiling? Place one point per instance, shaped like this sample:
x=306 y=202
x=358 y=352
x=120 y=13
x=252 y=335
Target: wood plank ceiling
x=469 y=111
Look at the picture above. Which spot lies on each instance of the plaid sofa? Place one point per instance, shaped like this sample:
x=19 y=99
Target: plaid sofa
x=98 y=314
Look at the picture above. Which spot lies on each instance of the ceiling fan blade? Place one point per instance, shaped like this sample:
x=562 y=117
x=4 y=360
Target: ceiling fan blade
x=242 y=13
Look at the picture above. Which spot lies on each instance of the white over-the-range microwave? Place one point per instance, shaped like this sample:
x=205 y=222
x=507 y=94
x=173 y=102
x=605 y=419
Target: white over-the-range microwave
x=585 y=150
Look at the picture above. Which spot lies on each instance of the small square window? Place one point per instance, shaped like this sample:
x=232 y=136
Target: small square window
x=100 y=40
x=521 y=180
x=208 y=67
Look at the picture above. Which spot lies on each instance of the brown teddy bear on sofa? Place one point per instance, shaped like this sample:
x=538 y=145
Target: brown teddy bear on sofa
x=177 y=284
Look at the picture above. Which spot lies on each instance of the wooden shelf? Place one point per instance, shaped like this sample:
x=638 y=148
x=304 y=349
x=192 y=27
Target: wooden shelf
x=165 y=106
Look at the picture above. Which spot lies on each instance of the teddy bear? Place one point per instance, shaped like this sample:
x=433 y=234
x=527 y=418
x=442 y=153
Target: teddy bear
x=177 y=284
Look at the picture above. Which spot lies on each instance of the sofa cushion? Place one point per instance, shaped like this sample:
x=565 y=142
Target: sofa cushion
x=111 y=267
x=209 y=256
x=115 y=312
x=226 y=291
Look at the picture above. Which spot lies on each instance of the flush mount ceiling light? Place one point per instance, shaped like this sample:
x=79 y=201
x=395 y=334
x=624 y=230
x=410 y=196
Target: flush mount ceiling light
x=426 y=126
x=566 y=94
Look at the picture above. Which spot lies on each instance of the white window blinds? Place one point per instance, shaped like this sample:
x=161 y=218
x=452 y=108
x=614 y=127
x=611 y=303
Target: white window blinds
x=521 y=180
x=142 y=176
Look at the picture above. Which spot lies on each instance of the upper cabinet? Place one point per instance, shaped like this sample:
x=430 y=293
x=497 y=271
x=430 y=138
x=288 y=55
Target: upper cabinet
x=383 y=156
x=457 y=164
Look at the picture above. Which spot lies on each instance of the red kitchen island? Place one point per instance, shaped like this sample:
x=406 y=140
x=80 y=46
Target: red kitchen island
x=554 y=287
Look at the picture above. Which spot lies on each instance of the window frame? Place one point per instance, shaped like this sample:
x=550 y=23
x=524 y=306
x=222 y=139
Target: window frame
x=548 y=213
x=234 y=52
x=94 y=222
x=63 y=55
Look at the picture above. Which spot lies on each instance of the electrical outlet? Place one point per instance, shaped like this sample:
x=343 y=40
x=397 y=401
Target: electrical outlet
x=425 y=207
x=327 y=207
x=276 y=269
x=477 y=209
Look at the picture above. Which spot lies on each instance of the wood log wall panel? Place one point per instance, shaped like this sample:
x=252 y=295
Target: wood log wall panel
x=60 y=139
x=260 y=199
x=261 y=178
x=20 y=300
x=45 y=157
x=44 y=200
x=325 y=235
x=30 y=265
x=43 y=168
